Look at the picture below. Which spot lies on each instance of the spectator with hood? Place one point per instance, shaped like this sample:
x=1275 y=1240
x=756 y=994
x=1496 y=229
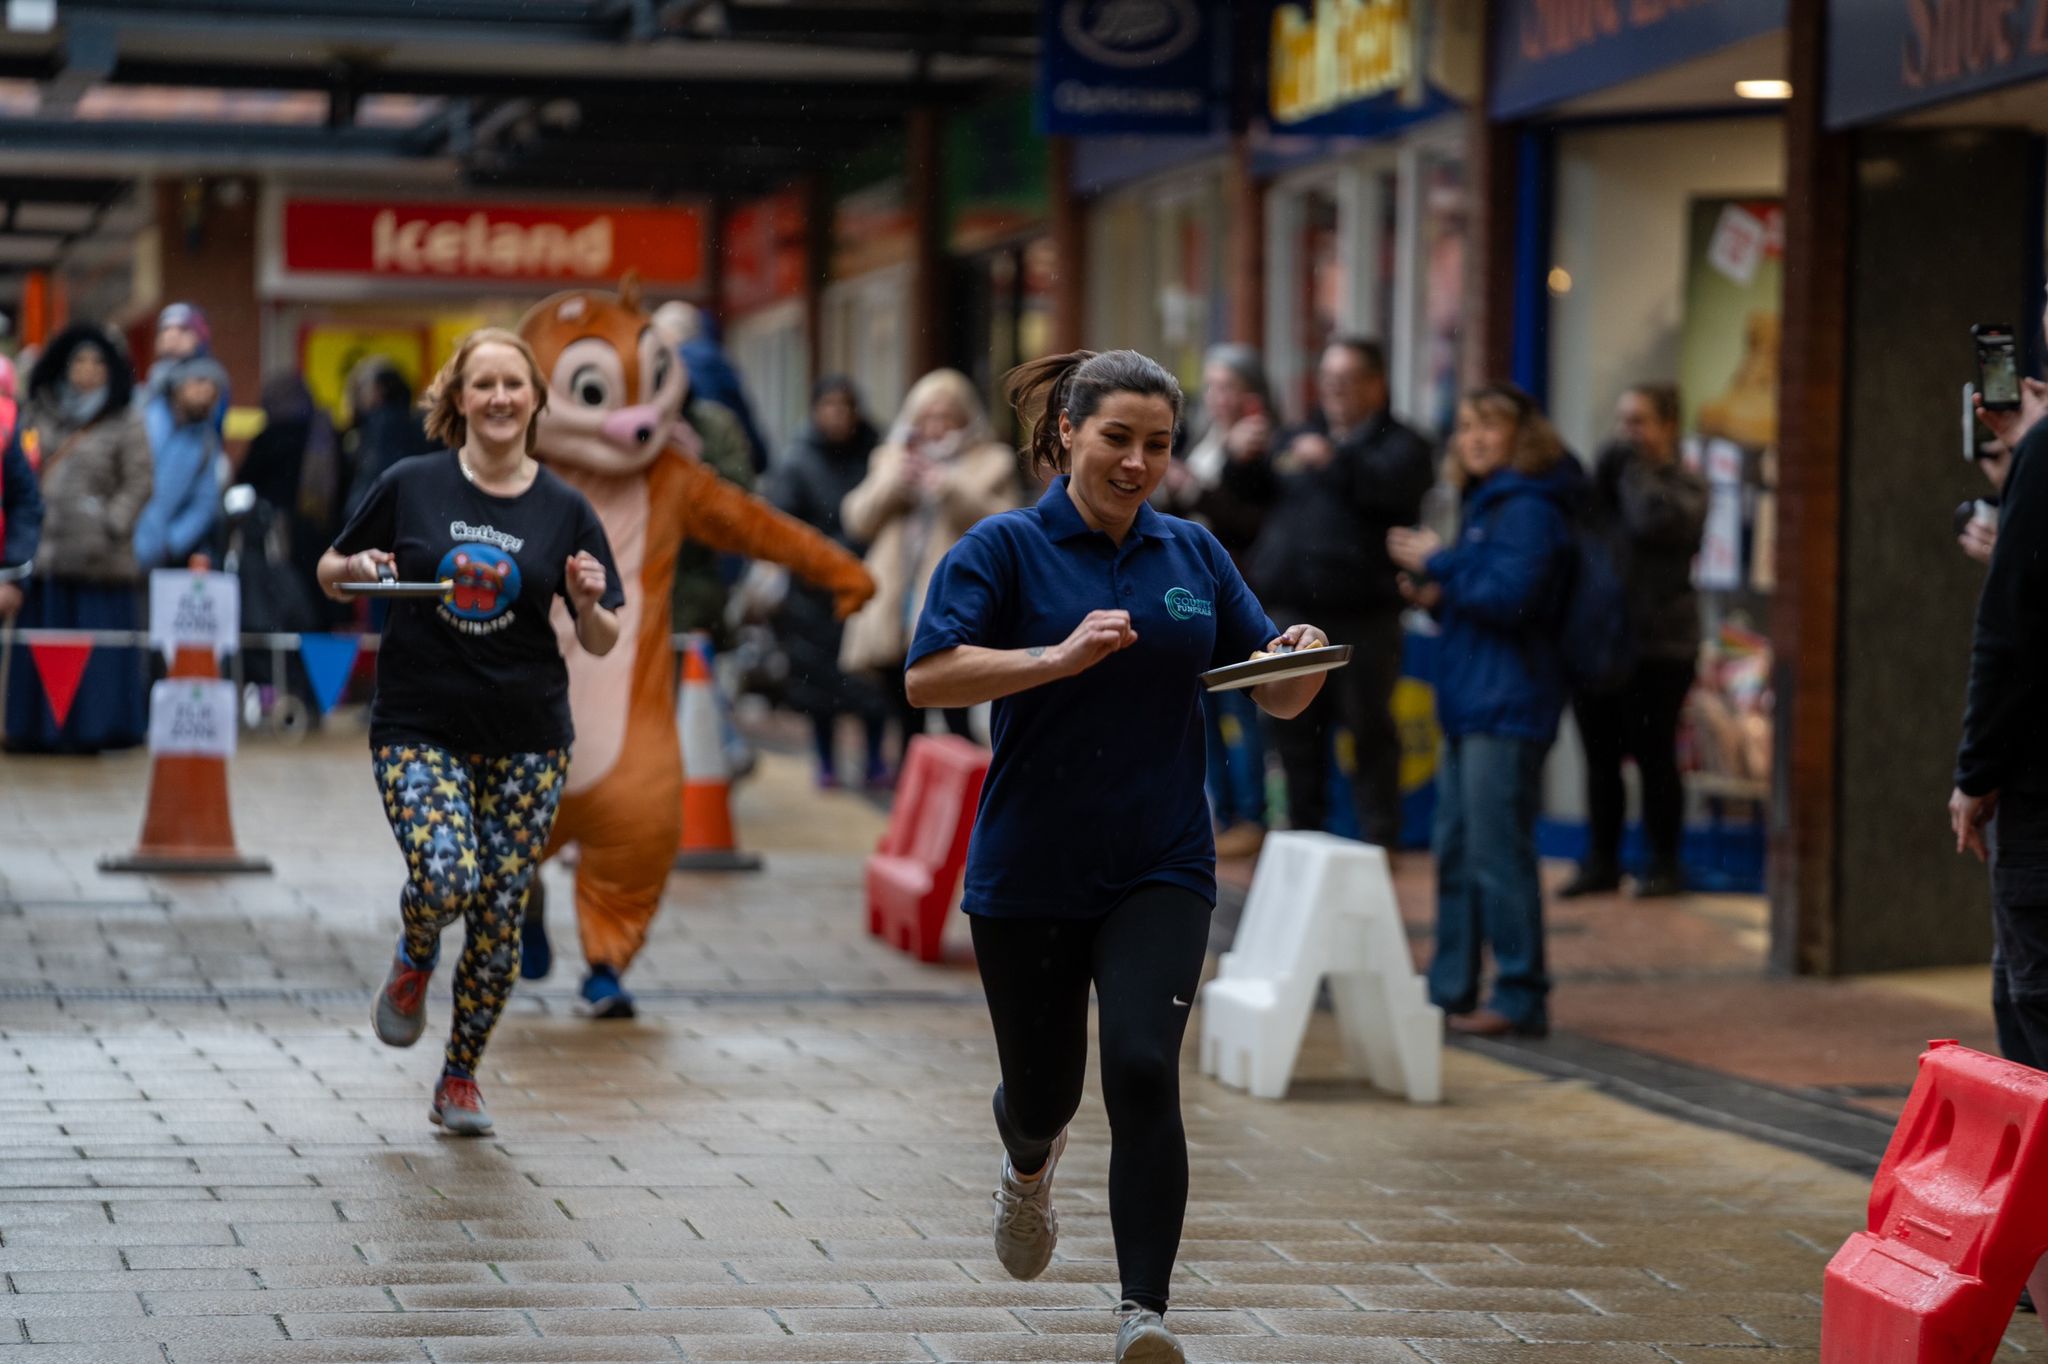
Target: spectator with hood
x=182 y=333
x=184 y=504
x=81 y=432
x=712 y=376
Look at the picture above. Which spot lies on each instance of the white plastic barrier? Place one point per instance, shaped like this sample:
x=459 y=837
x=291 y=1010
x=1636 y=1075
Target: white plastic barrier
x=1321 y=906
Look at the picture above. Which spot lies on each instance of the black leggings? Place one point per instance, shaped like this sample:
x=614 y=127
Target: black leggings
x=1144 y=958
x=1640 y=721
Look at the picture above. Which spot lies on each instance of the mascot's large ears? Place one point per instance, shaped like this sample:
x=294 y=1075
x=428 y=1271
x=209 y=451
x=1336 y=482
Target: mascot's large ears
x=629 y=291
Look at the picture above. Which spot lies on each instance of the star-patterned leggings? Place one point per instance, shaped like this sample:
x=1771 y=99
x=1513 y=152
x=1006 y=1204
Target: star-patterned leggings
x=472 y=829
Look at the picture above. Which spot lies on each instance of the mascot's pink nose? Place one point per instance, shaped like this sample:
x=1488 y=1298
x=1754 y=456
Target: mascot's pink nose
x=634 y=425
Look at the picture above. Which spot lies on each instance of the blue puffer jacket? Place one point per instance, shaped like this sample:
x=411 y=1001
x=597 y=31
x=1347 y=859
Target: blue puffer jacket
x=184 y=503
x=1499 y=671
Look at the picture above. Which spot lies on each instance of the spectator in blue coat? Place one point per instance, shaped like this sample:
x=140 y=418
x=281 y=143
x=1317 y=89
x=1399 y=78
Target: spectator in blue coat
x=712 y=376
x=1497 y=593
x=184 y=444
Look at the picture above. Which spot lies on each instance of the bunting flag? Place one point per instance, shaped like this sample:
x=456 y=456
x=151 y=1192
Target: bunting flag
x=329 y=660
x=60 y=664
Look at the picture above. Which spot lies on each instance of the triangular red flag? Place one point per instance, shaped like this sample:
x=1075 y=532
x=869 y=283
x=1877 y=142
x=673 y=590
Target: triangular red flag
x=61 y=663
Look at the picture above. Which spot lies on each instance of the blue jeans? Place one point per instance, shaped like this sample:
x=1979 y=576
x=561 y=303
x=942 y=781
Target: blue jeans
x=1487 y=889
x=1237 y=777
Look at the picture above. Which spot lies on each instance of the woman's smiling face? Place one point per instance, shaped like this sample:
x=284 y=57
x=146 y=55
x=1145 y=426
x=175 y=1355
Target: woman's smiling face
x=497 y=396
x=1118 y=456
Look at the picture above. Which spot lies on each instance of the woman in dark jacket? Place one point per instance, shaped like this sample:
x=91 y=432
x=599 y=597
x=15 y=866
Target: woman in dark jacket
x=1657 y=508
x=83 y=434
x=1500 y=691
x=294 y=464
x=828 y=460
x=387 y=427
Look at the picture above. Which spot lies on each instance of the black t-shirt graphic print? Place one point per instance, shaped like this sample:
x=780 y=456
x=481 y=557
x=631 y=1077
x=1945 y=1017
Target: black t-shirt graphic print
x=479 y=670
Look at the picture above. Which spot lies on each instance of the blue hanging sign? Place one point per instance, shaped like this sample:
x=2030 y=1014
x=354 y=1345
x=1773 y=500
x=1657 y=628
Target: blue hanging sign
x=1546 y=52
x=1109 y=66
x=1888 y=56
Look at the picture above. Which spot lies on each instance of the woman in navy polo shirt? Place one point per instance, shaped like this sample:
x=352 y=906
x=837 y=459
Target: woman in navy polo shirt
x=1087 y=620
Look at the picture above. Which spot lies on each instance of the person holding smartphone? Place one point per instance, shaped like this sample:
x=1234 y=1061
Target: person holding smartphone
x=1237 y=403
x=1331 y=493
x=1088 y=620
x=1999 y=807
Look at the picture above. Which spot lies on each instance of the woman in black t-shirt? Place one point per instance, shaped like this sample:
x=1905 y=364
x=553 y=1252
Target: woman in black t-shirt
x=470 y=727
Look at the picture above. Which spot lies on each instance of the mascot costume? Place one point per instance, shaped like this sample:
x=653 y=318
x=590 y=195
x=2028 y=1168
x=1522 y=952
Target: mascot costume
x=613 y=429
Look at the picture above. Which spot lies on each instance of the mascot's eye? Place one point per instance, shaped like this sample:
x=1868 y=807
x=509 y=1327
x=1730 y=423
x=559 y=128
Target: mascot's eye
x=590 y=387
x=664 y=365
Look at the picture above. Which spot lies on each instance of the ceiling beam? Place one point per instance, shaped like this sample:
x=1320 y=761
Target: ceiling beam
x=114 y=139
x=876 y=98
x=476 y=22
x=1008 y=23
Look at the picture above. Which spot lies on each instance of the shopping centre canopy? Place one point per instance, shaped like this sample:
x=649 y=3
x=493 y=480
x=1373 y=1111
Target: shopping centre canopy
x=646 y=97
x=660 y=96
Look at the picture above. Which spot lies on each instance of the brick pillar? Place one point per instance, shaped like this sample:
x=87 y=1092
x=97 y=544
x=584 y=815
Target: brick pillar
x=928 y=258
x=1806 y=611
x=1070 y=244
x=209 y=258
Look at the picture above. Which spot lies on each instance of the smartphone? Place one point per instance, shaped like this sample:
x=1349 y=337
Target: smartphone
x=1998 y=367
x=1969 y=424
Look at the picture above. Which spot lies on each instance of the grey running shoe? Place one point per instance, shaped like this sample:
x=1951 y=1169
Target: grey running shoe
x=401 y=1012
x=1144 y=1339
x=1026 y=1226
x=459 y=1107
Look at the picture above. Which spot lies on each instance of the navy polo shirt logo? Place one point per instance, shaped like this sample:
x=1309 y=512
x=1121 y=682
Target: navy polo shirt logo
x=1182 y=604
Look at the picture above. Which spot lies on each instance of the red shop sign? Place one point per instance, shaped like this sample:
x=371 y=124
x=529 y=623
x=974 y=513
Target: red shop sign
x=545 y=244
x=765 y=252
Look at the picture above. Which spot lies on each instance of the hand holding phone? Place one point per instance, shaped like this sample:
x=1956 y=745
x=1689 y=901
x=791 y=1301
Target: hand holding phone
x=1998 y=367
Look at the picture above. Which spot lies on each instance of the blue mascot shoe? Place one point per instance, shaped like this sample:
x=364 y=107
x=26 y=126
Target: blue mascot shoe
x=603 y=996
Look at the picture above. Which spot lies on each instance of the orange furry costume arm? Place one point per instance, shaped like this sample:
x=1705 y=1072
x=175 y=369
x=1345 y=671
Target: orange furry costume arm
x=716 y=513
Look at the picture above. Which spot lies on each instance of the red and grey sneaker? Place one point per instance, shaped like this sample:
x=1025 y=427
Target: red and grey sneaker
x=459 y=1107
x=400 y=1015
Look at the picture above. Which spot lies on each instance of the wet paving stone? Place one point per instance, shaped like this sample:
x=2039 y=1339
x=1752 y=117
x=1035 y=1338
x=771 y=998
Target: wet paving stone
x=206 y=1157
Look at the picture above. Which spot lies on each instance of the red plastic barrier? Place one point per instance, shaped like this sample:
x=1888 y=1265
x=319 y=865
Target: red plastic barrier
x=916 y=868
x=1958 y=1219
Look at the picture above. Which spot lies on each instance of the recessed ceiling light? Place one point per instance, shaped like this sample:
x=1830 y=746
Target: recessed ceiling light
x=1764 y=89
x=1560 y=280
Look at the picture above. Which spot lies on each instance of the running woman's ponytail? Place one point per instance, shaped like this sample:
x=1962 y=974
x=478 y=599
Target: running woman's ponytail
x=1076 y=384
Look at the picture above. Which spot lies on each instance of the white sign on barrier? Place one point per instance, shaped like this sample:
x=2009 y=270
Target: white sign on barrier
x=192 y=717
x=194 y=608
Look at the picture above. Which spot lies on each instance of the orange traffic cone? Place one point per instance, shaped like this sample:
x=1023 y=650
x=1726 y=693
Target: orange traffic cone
x=708 y=842
x=187 y=827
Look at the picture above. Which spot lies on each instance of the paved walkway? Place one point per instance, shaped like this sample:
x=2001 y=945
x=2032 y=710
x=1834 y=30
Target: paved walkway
x=1686 y=979
x=205 y=1157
